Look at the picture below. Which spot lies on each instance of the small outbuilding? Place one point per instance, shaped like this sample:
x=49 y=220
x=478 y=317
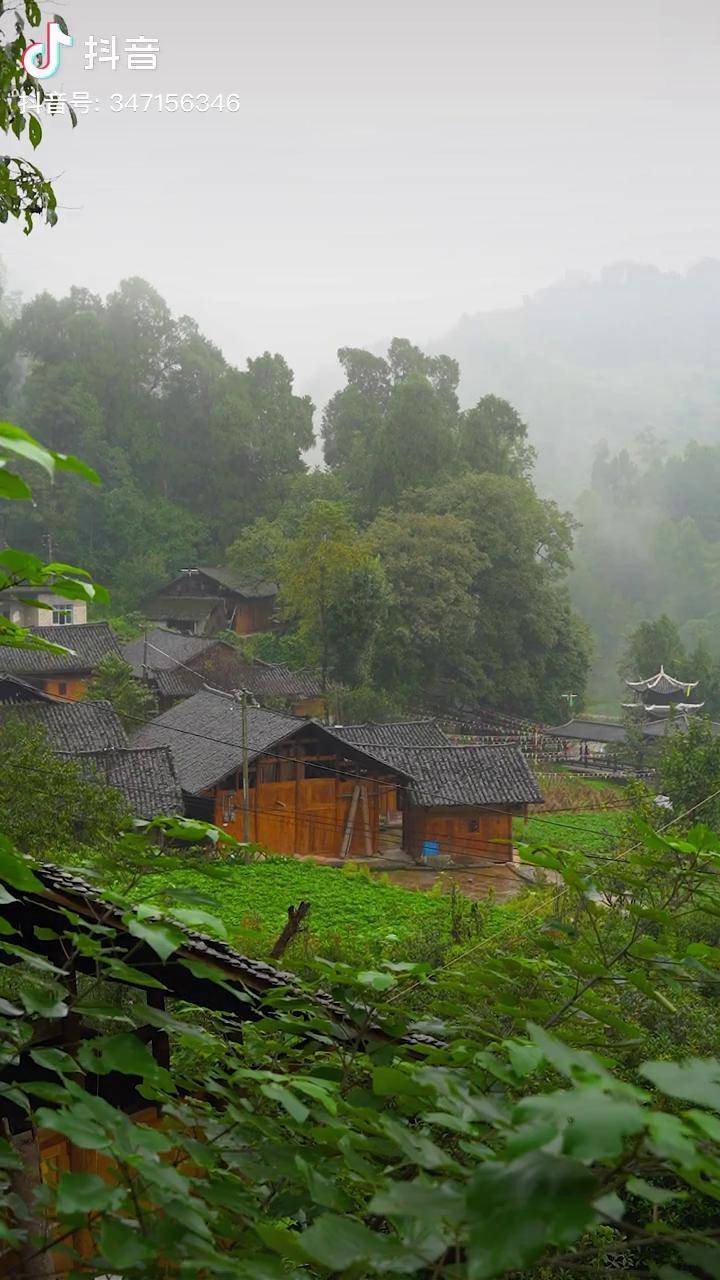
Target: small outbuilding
x=461 y=801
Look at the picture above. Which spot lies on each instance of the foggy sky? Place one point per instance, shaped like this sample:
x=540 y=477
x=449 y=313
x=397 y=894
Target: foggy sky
x=393 y=165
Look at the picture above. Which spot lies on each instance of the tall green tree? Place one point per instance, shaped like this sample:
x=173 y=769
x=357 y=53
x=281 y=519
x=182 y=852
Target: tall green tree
x=654 y=643
x=493 y=437
x=331 y=589
x=48 y=806
x=113 y=681
x=425 y=649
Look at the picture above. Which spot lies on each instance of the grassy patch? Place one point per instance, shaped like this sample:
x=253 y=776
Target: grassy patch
x=594 y=830
x=347 y=906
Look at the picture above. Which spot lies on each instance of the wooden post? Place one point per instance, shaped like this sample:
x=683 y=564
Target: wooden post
x=366 y=818
x=349 y=825
x=245 y=771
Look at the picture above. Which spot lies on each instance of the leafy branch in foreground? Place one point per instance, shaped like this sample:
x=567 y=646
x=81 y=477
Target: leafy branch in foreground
x=20 y=568
x=24 y=192
x=297 y=1133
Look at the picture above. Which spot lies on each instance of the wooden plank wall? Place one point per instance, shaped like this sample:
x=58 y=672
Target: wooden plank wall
x=306 y=817
x=465 y=835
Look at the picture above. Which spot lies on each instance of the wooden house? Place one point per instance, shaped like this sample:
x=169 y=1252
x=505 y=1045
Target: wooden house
x=312 y=792
x=176 y=665
x=64 y=675
x=461 y=801
x=309 y=791
x=204 y=601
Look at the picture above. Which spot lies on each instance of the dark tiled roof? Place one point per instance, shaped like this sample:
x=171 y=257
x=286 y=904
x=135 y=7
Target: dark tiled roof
x=178 y=683
x=167 y=652
x=204 y=734
x=588 y=731
x=675 y=724
x=186 y=608
x=401 y=733
x=449 y=776
x=146 y=778
x=164 y=649
x=275 y=680
x=70 y=726
x=250 y=589
x=89 y=641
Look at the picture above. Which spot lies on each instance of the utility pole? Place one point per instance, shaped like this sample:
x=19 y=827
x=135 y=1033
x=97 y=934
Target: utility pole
x=245 y=767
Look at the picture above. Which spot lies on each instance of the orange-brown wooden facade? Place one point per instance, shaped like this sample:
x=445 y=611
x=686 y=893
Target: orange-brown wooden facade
x=253 y=615
x=465 y=835
x=308 y=800
x=57 y=1156
x=306 y=816
x=71 y=688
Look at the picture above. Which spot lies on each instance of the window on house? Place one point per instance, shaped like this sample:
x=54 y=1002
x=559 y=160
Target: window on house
x=62 y=687
x=61 y=617
x=473 y=825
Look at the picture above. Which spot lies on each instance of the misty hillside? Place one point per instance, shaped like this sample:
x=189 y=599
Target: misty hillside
x=588 y=360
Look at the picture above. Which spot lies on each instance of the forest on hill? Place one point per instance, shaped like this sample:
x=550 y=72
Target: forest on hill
x=588 y=360
x=647 y=547
x=419 y=567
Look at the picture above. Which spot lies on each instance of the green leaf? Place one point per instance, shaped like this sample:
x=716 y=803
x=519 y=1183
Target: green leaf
x=84 y=1193
x=35 y=131
x=388 y=1082
x=323 y=1191
x=126 y=973
x=124 y=1053
x=43 y=1003
x=697 y=1080
x=416 y=1148
x=122 y=1246
x=376 y=980
x=593 y=1125
x=429 y=1202
x=54 y=1060
x=705 y=1257
x=67 y=462
x=575 y=1064
x=339 y=1243
x=281 y=1240
x=519 y=1208
x=15 y=871
x=162 y=937
x=17 y=441
x=293 y=1105
x=197 y=919
x=76 y=1126
x=13 y=487
x=656 y=1195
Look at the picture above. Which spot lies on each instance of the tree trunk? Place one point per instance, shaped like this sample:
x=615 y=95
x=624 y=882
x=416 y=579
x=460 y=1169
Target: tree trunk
x=296 y=915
